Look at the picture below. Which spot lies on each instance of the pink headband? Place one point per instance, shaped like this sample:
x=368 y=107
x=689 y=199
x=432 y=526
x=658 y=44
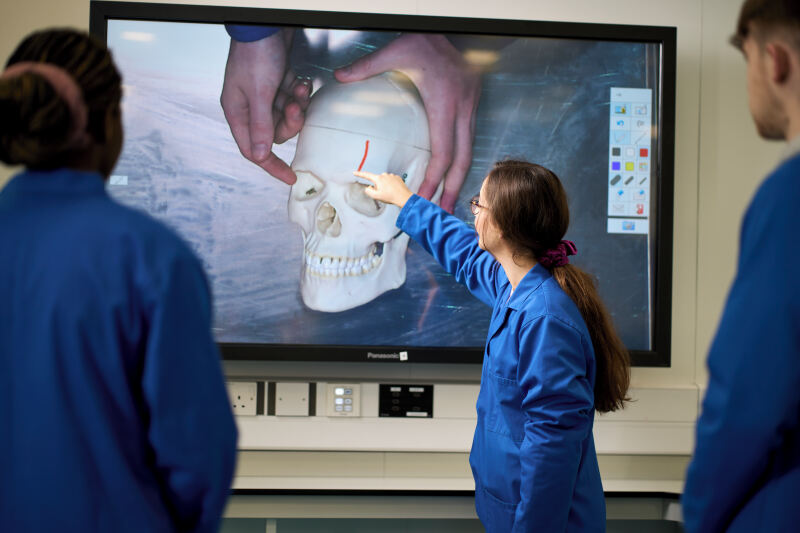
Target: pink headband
x=557 y=256
x=66 y=87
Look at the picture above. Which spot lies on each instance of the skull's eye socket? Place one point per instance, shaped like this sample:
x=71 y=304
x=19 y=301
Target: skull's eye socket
x=307 y=186
x=358 y=200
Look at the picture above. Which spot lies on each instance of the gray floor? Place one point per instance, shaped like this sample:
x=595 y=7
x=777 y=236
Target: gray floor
x=625 y=513
x=259 y=525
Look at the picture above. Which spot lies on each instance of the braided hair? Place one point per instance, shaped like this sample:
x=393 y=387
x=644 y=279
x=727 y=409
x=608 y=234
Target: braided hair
x=35 y=121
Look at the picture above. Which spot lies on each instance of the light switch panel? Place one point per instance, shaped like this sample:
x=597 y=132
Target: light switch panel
x=343 y=399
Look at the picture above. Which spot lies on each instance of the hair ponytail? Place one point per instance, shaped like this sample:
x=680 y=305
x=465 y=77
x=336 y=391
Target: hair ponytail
x=530 y=207
x=613 y=361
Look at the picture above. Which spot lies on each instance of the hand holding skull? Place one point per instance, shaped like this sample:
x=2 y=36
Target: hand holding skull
x=450 y=89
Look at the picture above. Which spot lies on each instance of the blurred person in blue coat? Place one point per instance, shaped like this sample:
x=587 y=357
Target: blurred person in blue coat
x=113 y=409
x=745 y=473
x=552 y=355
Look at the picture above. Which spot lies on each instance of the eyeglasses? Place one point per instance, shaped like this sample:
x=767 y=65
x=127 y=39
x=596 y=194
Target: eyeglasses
x=475 y=207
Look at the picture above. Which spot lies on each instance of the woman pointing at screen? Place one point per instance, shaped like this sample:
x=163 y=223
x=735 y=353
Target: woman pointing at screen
x=552 y=356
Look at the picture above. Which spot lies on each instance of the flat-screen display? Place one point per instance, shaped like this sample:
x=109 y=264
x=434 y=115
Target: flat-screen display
x=318 y=271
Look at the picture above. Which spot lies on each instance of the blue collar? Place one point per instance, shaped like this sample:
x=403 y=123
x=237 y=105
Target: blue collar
x=58 y=181
x=527 y=285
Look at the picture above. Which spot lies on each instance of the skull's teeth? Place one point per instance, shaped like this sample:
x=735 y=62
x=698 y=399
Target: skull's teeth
x=327 y=266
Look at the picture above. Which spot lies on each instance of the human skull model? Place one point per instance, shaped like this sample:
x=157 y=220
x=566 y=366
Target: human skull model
x=353 y=250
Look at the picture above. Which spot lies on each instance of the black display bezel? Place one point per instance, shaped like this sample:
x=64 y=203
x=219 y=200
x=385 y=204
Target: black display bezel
x=660 y=356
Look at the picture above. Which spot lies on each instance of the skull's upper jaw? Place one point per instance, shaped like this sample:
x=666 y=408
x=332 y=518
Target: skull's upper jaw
x=333 y=284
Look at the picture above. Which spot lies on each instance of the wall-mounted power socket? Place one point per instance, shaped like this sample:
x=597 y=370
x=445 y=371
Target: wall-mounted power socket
x=243 y=395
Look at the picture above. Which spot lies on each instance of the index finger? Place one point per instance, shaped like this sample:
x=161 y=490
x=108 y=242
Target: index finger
x=366 y=175
x=278 y=168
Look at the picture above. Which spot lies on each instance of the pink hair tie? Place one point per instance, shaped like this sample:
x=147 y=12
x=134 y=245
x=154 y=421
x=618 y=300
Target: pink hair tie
x=66 y=87
x=556 y=257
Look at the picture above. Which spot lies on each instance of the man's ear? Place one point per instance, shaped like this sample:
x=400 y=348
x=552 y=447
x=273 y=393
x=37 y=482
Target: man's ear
x=778 y=62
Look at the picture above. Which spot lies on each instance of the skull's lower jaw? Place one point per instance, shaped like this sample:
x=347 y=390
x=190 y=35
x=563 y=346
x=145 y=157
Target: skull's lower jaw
x=333 y=288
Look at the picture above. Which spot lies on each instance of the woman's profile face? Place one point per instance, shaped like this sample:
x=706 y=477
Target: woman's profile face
x=488 y=234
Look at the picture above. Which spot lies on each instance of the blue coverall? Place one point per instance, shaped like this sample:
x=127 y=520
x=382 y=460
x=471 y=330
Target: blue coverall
x=533 y=455
x=113 y=409
x=745 y=473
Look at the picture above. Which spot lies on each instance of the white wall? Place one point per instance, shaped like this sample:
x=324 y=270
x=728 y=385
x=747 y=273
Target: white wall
x=718 y=158
x=733 y=161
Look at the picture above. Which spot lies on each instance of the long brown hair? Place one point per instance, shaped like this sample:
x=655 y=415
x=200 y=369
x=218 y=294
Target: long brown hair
x=529 y=206
x=35 y=122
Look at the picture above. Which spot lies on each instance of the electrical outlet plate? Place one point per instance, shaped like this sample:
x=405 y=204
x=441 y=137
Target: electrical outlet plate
x=291 y=399
x=243 y=397
x=343 y=399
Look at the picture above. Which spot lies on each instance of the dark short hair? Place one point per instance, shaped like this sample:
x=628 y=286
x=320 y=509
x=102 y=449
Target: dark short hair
x=767 y=15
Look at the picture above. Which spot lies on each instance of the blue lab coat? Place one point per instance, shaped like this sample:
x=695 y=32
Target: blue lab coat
x=745 y=473
x=533 y=455
x=113 y=409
